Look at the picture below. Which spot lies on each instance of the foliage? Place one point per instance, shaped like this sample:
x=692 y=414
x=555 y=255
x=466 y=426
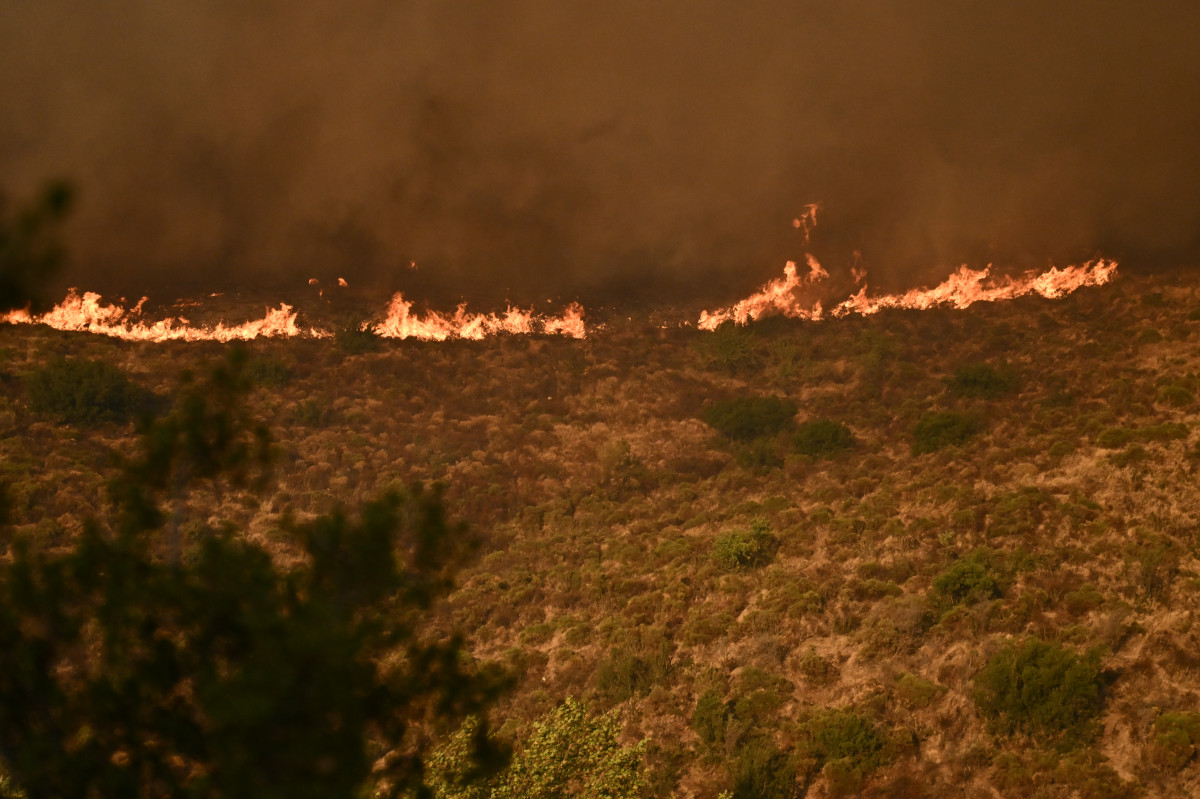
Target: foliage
x=1040 y=689
x=747 y=418
x=124 y=673
x=568 y=753
x=745 y=549
x=625 y=674
x=357 y=338
x=85 y=392
x=848 y=745
x=1176 y=396
x=29 y=248
x=709 y=719
x=1117 y=437
x=730 y=348
x=822 y=438
x=759 y=769
x=1176 y=736
x=968 y=580
x=983 y=381
x=939 y=429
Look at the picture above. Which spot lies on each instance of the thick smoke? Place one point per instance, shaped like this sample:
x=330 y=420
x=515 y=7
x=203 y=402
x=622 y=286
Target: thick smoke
x=537 y=148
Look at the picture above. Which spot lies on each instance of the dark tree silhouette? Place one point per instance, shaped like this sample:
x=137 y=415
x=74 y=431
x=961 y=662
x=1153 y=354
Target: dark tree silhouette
x=129 y=667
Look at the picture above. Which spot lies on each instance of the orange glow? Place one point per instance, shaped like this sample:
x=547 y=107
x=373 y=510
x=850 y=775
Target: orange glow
x=963 y=288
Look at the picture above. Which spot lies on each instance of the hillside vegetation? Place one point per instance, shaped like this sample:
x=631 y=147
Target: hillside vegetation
x=922 y=554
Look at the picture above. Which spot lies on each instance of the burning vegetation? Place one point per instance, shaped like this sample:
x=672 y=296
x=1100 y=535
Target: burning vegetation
x=783 y=556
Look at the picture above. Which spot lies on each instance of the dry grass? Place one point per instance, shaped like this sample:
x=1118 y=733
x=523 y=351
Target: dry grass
x=599 y=494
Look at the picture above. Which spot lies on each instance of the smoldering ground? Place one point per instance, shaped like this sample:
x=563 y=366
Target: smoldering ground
x=603 y=151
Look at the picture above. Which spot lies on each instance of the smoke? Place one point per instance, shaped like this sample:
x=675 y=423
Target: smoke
x=537 y=148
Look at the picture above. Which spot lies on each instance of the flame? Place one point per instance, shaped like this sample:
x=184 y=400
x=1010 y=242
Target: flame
x=88 y=314
x=960 y=290
x=401 y=322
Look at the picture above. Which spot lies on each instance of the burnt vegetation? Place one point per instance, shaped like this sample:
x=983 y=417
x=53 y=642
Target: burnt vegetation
x=908 y=555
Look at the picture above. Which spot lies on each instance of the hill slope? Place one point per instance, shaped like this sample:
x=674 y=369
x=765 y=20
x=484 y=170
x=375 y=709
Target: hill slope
x=772 y=608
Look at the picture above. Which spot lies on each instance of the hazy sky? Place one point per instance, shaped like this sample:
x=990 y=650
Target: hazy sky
x=530 y=148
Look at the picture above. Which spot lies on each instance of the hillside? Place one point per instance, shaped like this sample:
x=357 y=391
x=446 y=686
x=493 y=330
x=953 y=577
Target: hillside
x=781 y=603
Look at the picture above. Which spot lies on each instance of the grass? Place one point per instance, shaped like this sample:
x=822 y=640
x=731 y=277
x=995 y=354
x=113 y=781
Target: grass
x=787 y=572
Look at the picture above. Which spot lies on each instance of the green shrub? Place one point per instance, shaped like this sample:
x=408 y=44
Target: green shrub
x=1176 y=736
x=1175 y=396
x=849 y=746
x=567 y=752
x=1040 y=689
x=85 y=392
x=815 y=669
x=968 y=580
x=709 y=719
x=357 y=338
x=761 y=770
x=939 y=429
x=1114 y=437
x=822 y=438
x=1117 y=437
x=916 y=692
x=625 y=674
x=747 y=418
x=745 y=549
x=983 y=381
x=730 y=348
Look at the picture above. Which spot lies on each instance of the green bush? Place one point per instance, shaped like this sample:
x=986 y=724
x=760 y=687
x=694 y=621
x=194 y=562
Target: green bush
x=1040 y=689
x=1175 y=396
x=626 y=674
x=983 y=381
x=745 y=549
x=939 y=429
x=761 y=770
x=747 y=418
x=568 y=752
x=730 y=348
x=1114 y=437
x=85 y=392
x=849 y=746
x=357 y=338
x=1176 y=736
x=822 y=438
x=968 y=580
x=709 y=719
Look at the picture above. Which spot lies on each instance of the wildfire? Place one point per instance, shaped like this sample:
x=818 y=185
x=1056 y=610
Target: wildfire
x=963 y=288
x=401 y=322
x=87 y=313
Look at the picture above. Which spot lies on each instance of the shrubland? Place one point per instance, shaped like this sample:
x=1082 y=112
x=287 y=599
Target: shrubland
x=941 y=553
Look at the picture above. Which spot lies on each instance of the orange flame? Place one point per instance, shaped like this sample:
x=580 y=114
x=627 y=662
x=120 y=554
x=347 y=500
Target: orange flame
x=401 y=322
x=88 y=314
x=962 y=289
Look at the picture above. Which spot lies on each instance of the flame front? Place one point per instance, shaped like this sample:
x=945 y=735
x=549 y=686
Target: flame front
x=401 y=322
x=963 y=288
x=87 y=313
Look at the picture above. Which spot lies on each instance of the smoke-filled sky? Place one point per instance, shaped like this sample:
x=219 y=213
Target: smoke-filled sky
x=537 y=148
